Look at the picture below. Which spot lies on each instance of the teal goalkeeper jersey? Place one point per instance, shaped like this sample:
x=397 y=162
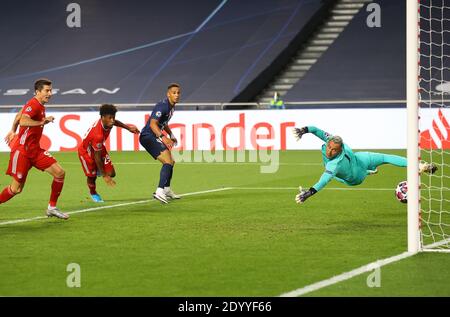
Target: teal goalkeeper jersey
x=345 y=168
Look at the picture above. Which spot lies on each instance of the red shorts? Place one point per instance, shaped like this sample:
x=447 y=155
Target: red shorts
x=88 y=163
x=19 y=164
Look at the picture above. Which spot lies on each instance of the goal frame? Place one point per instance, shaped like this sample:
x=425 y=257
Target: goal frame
x=415 y=238
x=412 y=105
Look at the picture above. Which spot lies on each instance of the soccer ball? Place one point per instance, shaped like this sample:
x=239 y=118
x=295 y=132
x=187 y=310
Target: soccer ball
x=401 y=192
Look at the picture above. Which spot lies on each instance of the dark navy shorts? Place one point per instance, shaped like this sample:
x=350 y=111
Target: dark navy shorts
x=153 y=145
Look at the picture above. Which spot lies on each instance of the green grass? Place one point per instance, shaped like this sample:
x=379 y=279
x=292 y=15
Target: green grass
x=236 y=242
x=424 y=274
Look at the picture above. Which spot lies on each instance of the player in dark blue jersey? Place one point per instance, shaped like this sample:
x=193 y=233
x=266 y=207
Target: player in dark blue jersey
x=159 y=145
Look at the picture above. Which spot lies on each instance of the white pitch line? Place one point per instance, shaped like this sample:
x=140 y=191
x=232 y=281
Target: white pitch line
x=112 y=206
x=326 y=188
x=347 y=275
x=149 y=200
x=203 y=163
x=207 y=191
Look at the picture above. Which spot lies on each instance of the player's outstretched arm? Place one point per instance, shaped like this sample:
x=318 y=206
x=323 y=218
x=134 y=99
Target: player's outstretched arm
x=304 y=194
x=326 y=177
x=299 y=132
x=130 y=128
x=324 y=136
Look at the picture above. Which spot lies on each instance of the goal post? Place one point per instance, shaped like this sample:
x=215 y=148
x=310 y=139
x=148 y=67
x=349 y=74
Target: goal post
x=412 y=96
x=428 y=134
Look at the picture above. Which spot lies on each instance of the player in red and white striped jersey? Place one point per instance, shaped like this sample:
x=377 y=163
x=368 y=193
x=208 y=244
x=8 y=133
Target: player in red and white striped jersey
x=26 y=151
x=92 y=152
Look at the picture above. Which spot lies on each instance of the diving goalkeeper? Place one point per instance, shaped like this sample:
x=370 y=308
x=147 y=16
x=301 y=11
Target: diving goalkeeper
x=345 y=166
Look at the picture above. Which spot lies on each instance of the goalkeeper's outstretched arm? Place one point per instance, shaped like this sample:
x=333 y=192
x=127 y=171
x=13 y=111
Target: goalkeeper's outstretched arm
x=323 y=181
x=298 y=133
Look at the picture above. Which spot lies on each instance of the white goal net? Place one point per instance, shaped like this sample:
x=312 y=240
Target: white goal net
x=434 y=122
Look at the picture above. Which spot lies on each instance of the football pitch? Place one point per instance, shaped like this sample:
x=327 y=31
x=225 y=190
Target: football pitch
x=235 y=232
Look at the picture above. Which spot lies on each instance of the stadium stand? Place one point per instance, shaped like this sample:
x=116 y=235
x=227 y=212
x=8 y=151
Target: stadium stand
x=127 y=52
x=362 y=64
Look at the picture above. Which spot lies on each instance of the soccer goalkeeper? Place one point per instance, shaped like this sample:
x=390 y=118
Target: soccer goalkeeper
x=344 y=165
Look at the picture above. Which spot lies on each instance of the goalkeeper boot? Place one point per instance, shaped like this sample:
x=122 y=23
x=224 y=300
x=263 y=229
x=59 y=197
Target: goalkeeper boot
x=372 y=172
x=55 y=212
x=170 y=194
x=429 y=168
x=159 y=195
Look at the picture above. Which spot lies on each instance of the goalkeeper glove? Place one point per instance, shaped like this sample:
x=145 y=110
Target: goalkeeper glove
x=304 y=194
x=298 y=132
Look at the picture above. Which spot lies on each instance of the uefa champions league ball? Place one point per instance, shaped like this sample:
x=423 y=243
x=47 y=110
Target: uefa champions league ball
x=401 y=192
